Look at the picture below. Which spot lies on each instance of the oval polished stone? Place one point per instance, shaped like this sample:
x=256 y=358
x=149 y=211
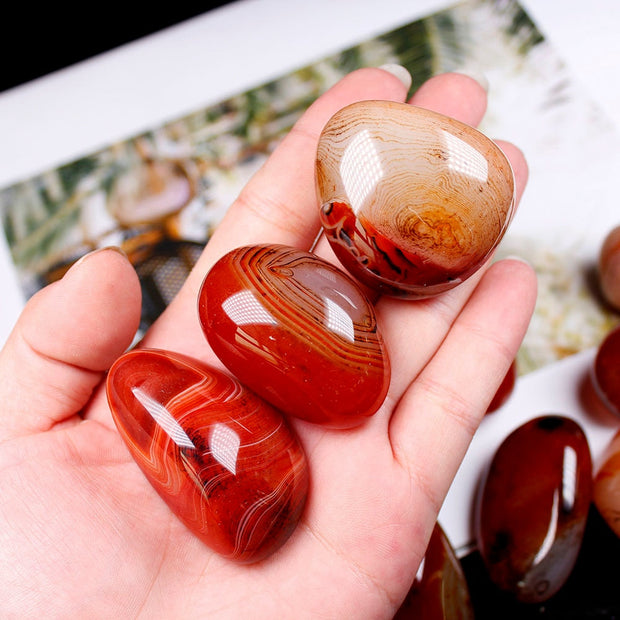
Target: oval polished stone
x=297 y=331
x=505 y=389
x=412 y=202
x=440 y=590
x=609 y=268
x=531 y=514
x=606 y=492
x=606 y=371
x=224 y=461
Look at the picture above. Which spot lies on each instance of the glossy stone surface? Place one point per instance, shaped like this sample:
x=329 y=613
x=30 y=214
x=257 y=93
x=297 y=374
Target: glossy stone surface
x=411 y=201
x=297 y=331
x=606 y=492
x=440 y=590
x=224 y=461
x=505 y=389
x=532 y=511
x=609 y=268
x=606 y=371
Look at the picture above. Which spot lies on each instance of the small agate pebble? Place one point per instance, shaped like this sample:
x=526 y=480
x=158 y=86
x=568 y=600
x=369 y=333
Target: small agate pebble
x=532 y=511
x=606 y=371
x=609 y=268
x=412 y=202
x=505 y=389
x=440 y=590
x=224 y=461
x=606 y=492
x=297 y=331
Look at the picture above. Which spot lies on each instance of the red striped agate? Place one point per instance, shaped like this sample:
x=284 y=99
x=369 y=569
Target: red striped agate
x=224 y=461
x=297 y=331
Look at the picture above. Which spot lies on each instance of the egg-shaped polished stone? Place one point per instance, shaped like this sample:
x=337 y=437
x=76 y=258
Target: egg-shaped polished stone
x=412 y=202
x=223 y=460
x=606 y=491
x=606 y=371
x=439 y=591
x=298 y=331
x=533 y=506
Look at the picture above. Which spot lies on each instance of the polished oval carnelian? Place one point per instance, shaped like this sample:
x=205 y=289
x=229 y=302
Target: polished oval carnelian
x=532 y=511
x=297 y=331
x=411 y=201
x=440 y=590
x=606 y=493
x=224 y=461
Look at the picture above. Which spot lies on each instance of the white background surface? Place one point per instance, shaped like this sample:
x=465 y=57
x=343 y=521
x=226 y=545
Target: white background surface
x=71 y=113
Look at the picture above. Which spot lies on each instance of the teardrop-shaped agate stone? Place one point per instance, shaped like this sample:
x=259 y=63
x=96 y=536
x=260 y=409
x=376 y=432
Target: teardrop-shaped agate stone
x=224 y=461
x=412 y=202
x=297 y=331
x=606 y=492
x=440 y=590
x=532 y=512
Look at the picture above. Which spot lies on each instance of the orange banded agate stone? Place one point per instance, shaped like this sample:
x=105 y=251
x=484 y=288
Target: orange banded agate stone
x=411 y=201
x=224 y=461
x=298 y=331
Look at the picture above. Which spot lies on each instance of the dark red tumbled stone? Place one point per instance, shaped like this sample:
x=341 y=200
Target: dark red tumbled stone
x=606 y=372
x=533 y=506
x=440 y=590
x=505 y=389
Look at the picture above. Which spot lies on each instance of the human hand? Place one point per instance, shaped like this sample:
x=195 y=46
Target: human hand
x=83 y=534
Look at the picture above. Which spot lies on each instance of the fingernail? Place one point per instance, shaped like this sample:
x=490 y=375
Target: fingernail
x=478 y=76
x=519 y=258
x=113 y=248
x=400 y=72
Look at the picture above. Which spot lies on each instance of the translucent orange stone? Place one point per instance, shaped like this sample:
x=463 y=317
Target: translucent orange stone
x=224 y=461
x=298 y=331
x=606 y=371
x=532 y=511
x=440 y=590
x=411 y=201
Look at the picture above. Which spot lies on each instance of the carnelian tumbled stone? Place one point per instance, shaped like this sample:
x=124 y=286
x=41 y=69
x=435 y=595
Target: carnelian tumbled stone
x=411 y=201
x=440 y=590
x=606 y=371
x=531 y=514
x=224 y=461
x=606 y=493
x=297 y=331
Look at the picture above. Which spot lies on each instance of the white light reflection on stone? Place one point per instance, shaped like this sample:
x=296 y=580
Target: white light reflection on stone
x=464 y=158
x=224 y=444
x=360 y=169
x=164 y=418
x=569 y=478
x=244 y=309
x=338 y=321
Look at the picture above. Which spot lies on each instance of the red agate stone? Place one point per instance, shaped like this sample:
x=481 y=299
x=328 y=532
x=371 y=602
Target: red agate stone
x=606 y=493
x=297 y=331
x=606 y=372
x=440 y=590
x=224 y=461
x=505 y=389
x=532 y=511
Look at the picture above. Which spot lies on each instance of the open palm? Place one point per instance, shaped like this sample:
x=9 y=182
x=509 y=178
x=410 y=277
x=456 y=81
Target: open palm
x=82 y=533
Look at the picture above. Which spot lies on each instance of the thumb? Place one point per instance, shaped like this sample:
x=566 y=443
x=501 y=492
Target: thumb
x=67 y=336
